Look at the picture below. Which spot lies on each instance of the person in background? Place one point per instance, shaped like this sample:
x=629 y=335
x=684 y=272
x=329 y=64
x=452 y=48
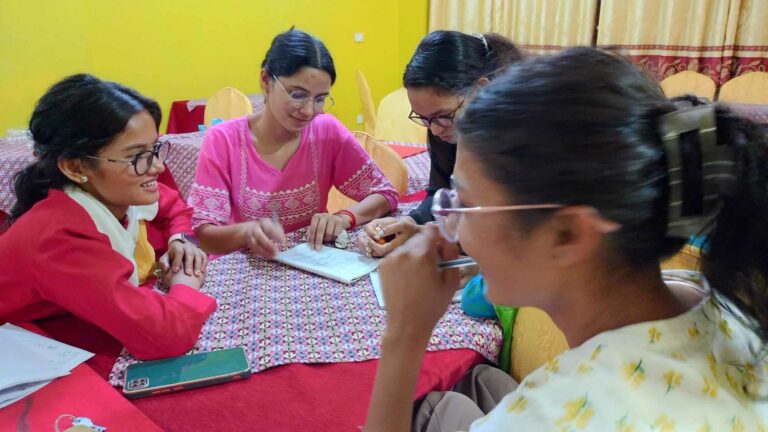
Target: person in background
x=260 y=174
x=447 y=67
x=568 y=190
x=77 y=242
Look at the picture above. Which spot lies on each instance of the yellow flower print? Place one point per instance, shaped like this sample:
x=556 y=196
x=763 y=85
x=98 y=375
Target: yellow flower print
x=726 y=329
x=663 y=424
x=596 y=352
x=654 y=334
x=732 y=382
x=530 y=384
x=737 y=425
x=672 y=379
x=624 y=426
x=693 y=331
x=760 y=427
x=712 y=363
x=578 y=413
x=705 y=428
x=710 y=388
x=679 y=356
x=634 y=373
x=584 y=368
x=553 y=365
x=518 y=405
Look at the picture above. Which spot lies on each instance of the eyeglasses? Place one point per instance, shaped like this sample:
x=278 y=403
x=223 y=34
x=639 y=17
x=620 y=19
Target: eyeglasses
x=448 y=211
x=300 y=98
x=142 y=162
x=441 y=120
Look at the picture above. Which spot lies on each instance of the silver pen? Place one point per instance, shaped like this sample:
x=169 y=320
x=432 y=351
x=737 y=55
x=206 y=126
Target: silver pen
x=460 y=262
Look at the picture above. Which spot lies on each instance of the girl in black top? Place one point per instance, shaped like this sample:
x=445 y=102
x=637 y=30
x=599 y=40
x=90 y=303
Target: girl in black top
x=447 y=67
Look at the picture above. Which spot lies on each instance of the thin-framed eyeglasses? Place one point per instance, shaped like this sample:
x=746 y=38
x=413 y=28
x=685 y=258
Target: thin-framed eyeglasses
x=448 y=211
x=299 y=98
x=142 y=162
x=445 y=120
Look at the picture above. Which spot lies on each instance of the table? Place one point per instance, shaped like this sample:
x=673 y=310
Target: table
x=186 y=115
x=318 y=397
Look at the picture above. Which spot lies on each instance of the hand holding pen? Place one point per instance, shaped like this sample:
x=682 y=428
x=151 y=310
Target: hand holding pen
x=264 y=236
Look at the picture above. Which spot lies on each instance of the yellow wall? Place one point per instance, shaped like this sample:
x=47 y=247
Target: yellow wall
x=173 y=50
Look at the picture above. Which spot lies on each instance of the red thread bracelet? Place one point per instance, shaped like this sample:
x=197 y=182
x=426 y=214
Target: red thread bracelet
x=351 y=216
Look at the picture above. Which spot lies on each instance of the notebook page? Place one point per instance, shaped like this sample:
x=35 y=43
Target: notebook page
x=337 y=264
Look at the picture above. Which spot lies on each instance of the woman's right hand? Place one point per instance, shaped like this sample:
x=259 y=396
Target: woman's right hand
x=263 y=236
x=416 y=290
x=372 y=238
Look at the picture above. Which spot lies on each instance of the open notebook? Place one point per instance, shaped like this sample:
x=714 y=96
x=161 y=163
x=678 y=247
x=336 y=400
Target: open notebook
x=336 y=264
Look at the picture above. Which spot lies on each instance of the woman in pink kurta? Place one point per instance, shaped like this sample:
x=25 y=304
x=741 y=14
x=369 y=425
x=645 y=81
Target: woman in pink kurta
x=271 y=171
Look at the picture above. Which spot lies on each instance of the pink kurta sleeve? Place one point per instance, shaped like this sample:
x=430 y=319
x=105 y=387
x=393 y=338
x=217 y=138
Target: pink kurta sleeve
x=354 y=172
x=210 y=196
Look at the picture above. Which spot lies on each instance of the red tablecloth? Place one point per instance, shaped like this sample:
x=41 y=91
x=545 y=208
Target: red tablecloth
x=297 y=397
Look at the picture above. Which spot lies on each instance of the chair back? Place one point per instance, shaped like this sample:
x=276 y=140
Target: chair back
x=750 y=88
x=225 y=104
x=392 y=121
x=689 y=82
x=366 y=101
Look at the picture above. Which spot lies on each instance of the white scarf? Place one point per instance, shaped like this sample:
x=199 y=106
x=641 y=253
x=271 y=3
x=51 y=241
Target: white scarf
x=123 y=240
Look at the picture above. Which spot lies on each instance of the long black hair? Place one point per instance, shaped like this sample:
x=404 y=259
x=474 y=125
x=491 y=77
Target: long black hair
x=453 y=61
x=76 y=117
x=582 y=128
x=295 y=49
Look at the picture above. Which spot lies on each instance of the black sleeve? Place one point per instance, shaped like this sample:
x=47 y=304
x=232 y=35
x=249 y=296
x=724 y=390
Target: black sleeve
x=442 y=159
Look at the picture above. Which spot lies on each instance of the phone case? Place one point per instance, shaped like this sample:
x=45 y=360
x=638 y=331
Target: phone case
x=185 y=372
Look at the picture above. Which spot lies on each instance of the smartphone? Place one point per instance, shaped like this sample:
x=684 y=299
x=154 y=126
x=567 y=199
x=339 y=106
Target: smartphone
x=185 y=372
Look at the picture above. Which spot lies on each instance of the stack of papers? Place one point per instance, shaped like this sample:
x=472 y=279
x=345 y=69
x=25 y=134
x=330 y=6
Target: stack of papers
x=29 y=361
x=336 y=264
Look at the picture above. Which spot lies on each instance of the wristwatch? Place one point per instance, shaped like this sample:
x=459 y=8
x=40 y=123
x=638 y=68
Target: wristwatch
x=185 y=238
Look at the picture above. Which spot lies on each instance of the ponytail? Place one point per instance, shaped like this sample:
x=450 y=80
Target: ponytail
x=735 y=260
x=32 y=184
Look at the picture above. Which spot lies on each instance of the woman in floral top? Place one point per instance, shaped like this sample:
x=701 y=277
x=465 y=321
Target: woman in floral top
x=574 y=177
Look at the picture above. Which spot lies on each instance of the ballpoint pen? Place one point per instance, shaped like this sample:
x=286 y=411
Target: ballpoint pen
x=460 y=262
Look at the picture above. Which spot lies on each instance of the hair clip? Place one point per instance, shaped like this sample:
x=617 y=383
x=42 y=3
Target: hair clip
x=699 y=170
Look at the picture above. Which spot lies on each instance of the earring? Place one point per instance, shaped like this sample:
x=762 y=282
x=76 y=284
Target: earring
x=83 y=179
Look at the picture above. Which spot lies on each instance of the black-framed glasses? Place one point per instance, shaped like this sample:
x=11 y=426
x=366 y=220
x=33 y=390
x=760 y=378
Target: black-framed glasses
x=142 y=162
x=440 y=120
x=300 y=98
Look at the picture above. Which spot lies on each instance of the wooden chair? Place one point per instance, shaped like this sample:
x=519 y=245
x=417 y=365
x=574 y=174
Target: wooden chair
x=386 y=159
x=392 y=121
x=689 y=82
x=750 y=88
x=366 y=101
x=225 y=104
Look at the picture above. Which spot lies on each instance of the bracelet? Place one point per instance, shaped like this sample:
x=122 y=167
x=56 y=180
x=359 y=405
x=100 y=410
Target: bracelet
x=351 y=216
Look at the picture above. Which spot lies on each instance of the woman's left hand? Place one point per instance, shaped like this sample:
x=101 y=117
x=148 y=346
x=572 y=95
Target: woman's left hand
x=325 y=227
x=186 y=256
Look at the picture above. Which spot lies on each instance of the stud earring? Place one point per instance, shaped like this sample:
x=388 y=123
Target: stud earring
x=83 y=179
